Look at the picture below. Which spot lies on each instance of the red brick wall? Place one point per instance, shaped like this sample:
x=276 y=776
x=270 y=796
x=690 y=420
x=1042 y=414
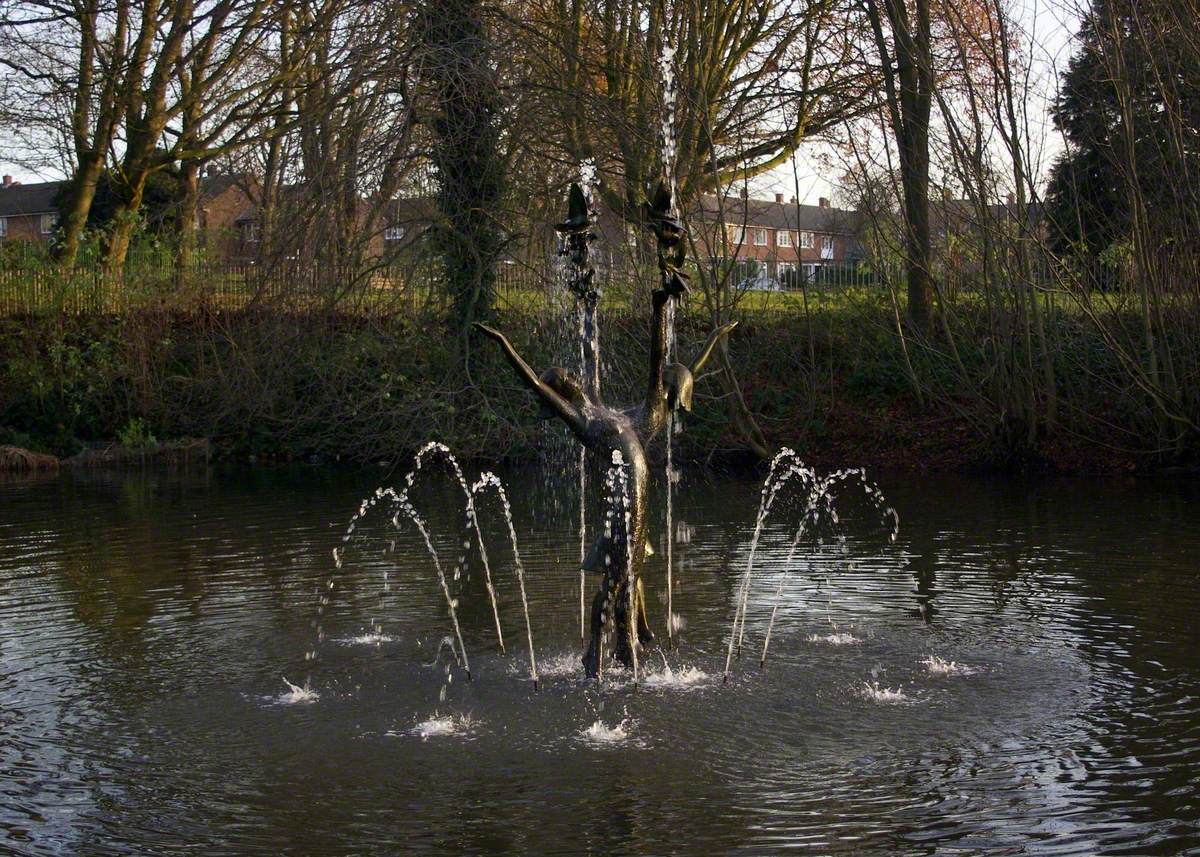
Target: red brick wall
x=218 y=232
x=25 y=227
x=773 y=253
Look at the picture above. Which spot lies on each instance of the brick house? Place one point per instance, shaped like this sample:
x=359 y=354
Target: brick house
x=223 y=199
x=27 y=211
x=396 y=230
x=786 y=239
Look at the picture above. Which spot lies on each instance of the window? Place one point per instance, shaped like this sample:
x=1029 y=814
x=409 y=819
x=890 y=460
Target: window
x=735 y=233
x=806 y=240
x=827 y=243
x=393 y=233
x=760 y=238
x=3 y=227
x=249 y=231
x=783 y=238
x=48 y=222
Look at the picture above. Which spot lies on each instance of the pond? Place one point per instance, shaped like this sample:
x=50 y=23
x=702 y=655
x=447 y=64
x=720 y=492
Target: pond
x=1018 y=673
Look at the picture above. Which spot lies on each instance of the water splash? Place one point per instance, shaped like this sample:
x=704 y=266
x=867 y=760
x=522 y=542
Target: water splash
x=873 y=692
x=840 y=638
x=297 y=695
x=685 y=678
x=602 y=734
x=560 y=665
x=373 y=637
x=939 y=667
x=441 y=726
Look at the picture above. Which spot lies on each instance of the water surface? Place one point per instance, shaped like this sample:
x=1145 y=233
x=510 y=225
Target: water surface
x=1018 y=674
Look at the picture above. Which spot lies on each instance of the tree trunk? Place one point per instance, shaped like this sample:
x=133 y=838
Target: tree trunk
x=78 y=204
x=124 y=223
x=187 y=218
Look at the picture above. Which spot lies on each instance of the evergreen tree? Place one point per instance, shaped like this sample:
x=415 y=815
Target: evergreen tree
x=1129 y=109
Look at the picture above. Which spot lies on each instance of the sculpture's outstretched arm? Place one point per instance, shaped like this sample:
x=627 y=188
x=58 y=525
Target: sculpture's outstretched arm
x=707 y=350
x=565 y=411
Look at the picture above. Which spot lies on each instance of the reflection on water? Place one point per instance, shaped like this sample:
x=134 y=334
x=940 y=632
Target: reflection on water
x=1018 y=673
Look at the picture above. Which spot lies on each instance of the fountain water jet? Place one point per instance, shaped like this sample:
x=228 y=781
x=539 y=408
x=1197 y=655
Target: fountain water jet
x=401 y=501
x=491 y=480
x=784 y=467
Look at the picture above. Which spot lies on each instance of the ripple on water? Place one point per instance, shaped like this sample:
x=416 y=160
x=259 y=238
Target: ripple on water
x=124 y=636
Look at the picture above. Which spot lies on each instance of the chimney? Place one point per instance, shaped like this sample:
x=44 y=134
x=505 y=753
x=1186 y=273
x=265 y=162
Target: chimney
x=779 y=198
x=1011 y=199
x=8 y=181
x=744 y=193
x=793 y=200
x=823 y=202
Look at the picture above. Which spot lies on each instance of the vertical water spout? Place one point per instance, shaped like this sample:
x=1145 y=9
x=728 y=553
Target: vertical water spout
x=582 y=542
x=619 y=486
x=670 y=527
x=579 y=278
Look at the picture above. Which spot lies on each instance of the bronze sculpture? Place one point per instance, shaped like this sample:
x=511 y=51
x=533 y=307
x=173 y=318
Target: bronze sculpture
x=619 y=604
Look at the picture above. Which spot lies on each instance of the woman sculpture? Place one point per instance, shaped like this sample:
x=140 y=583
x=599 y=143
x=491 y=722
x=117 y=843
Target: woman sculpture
x=609 y=432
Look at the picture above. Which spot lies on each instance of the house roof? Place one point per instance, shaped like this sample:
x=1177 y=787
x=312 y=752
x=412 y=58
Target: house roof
x=402 y=211
x=18 y=200
x=412 y=209
x=214 y=184
x=779 y=215
x=944 y=213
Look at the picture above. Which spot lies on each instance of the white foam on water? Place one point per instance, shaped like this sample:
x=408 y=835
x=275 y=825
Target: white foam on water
x=599 y=733
x=841 y=638
x=940 y=667
x=373 y=638
x=556 y=666
x=678 y=623
x=447 y=726
x=295 y=695
x=686 y=678
x=872 y=692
